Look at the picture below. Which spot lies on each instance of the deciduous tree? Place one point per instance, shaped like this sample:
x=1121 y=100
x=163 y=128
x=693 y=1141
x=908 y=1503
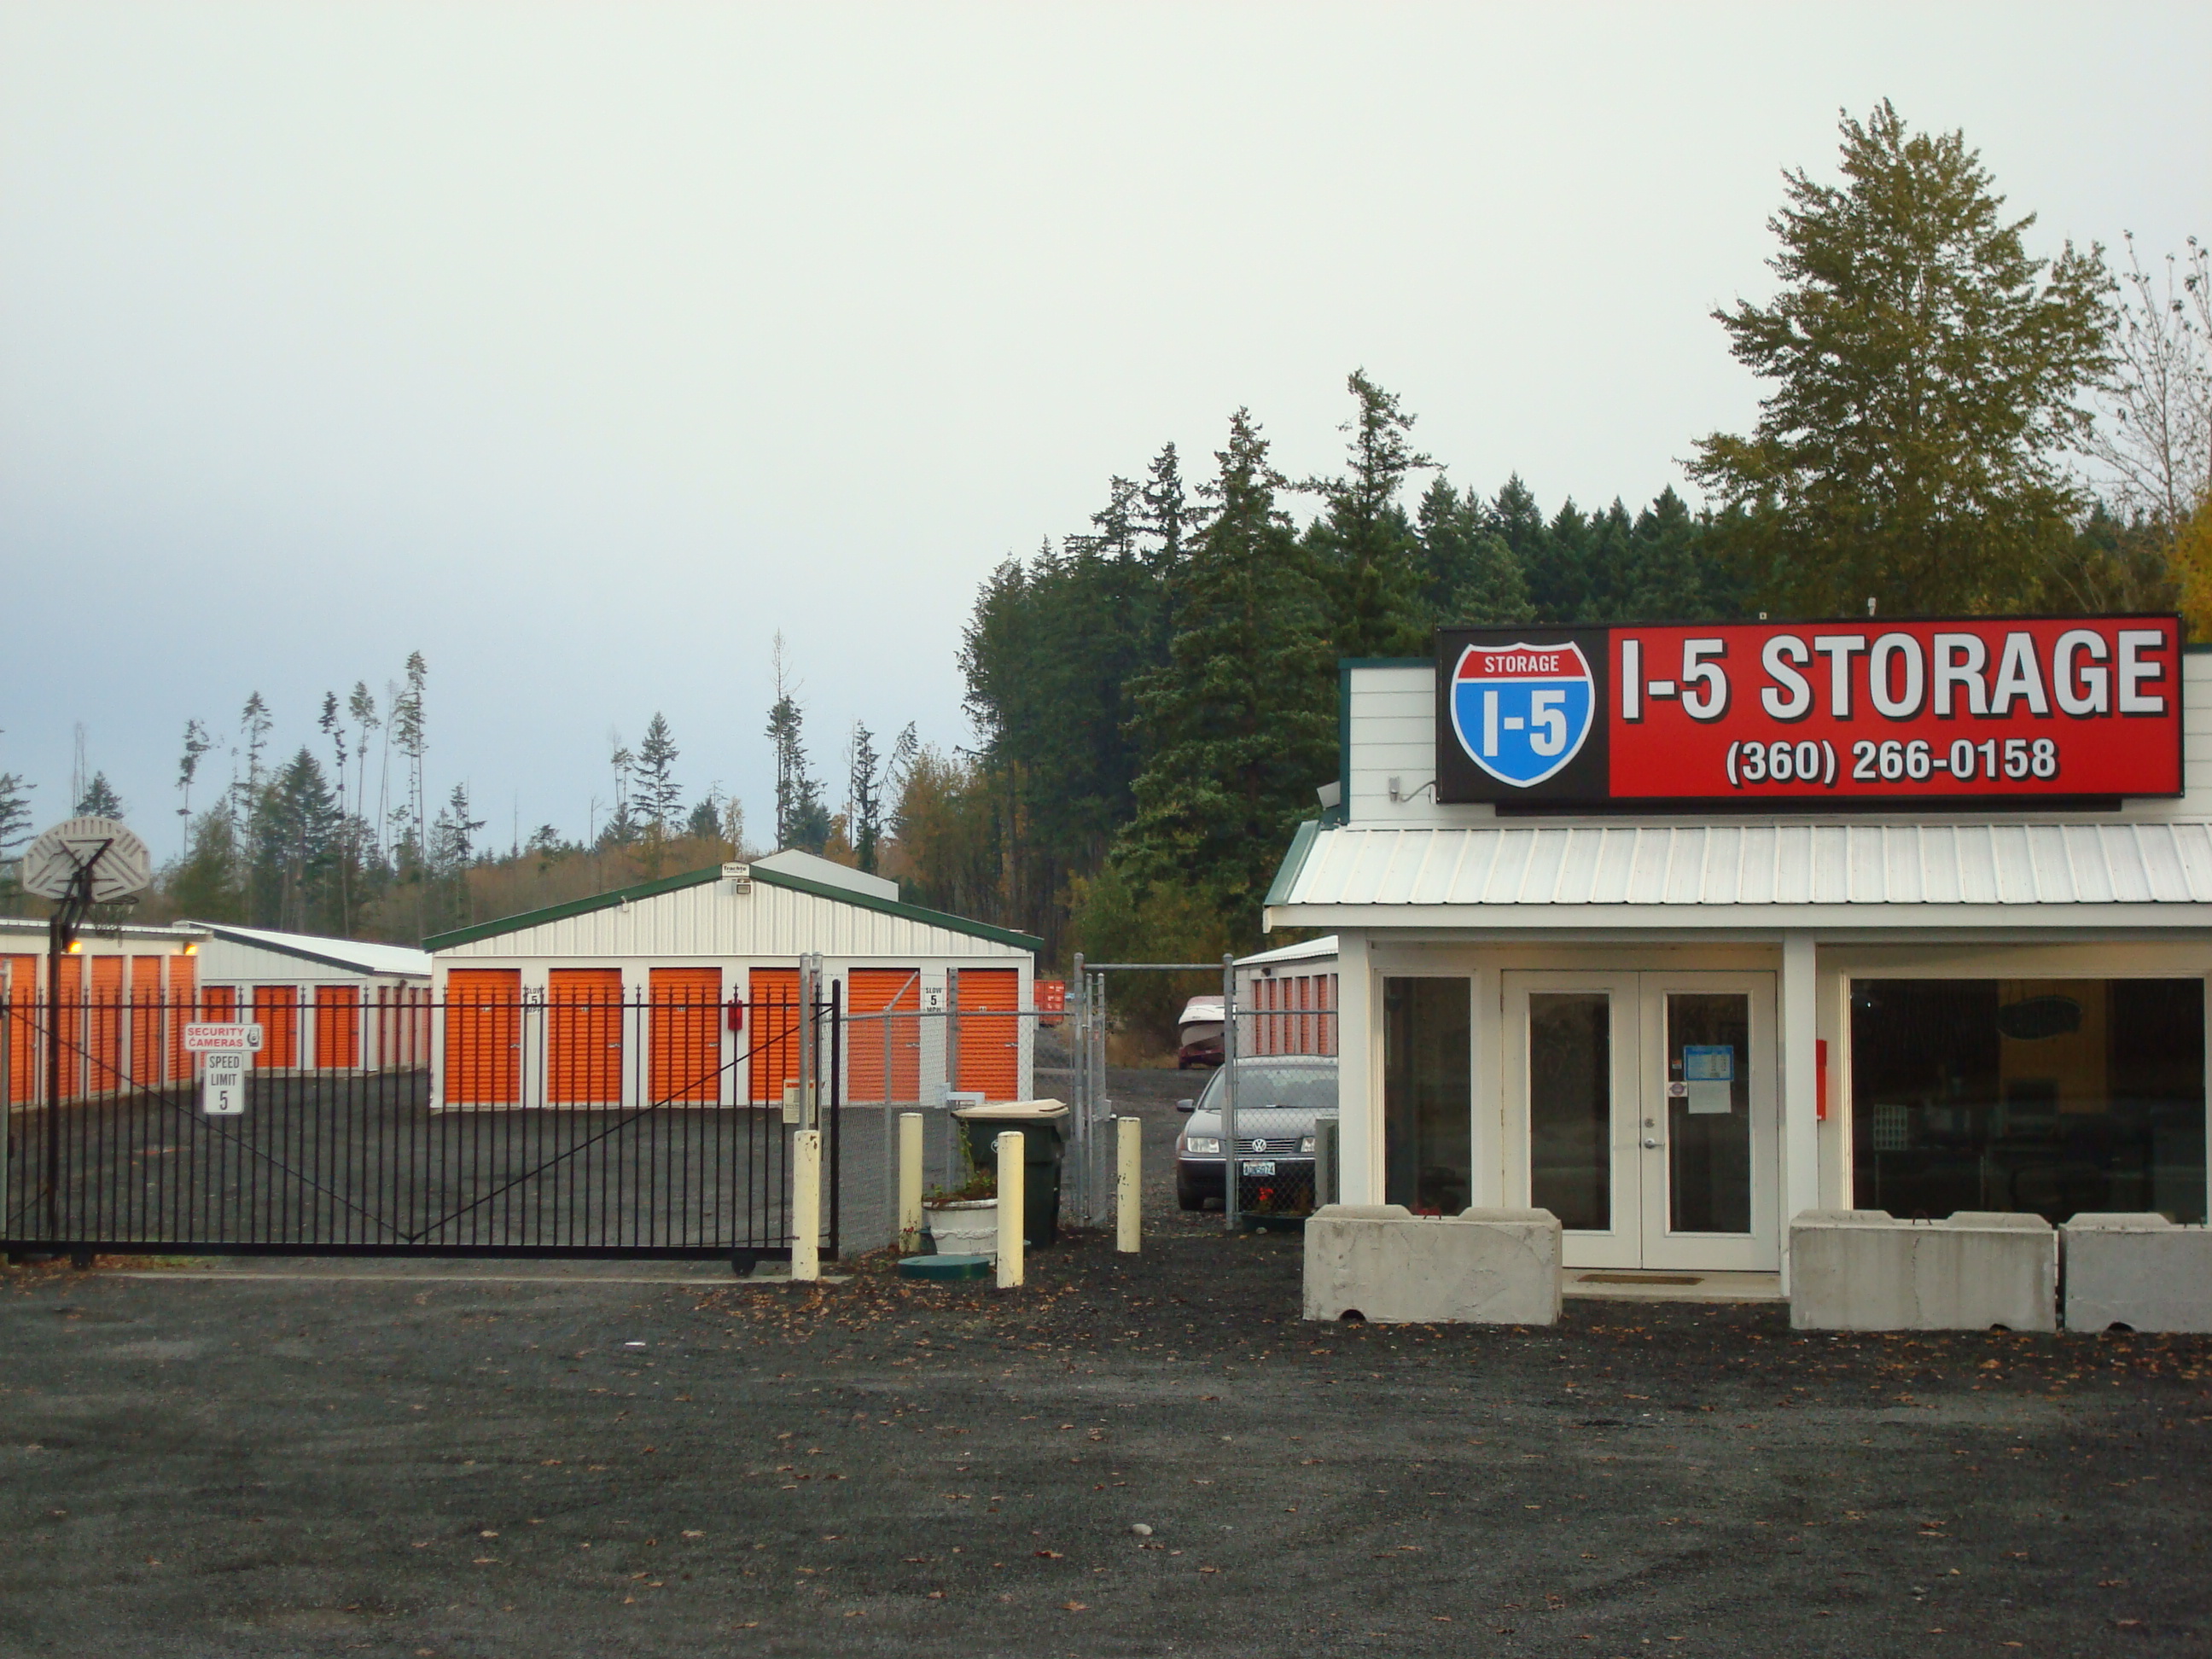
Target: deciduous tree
x=1928 y=373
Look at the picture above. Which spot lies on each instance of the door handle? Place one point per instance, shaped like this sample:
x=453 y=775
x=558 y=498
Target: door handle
x=1650 y=1140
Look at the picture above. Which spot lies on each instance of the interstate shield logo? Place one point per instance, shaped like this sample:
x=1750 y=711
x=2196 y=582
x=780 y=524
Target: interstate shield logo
x=1523 y=711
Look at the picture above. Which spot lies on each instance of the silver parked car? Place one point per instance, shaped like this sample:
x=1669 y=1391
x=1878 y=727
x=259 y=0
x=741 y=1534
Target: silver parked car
x=1278 y=1097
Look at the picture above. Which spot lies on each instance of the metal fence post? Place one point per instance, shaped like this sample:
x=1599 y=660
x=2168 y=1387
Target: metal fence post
x=1231 y=1168
x=1072 y=1024
x=894 y=1190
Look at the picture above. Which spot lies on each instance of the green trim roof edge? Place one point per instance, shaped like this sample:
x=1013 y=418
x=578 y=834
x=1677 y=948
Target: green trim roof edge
x=1279 y=890
x=646 y=890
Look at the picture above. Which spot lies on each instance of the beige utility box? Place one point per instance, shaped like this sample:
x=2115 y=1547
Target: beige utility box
x=1863 y=1270
x=1384 y=1263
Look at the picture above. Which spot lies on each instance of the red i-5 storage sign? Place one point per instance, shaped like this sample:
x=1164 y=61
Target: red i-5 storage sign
x=1793 y=714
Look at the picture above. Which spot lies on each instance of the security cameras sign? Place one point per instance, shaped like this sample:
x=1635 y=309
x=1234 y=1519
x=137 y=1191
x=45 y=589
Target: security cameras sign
x=1803 y=715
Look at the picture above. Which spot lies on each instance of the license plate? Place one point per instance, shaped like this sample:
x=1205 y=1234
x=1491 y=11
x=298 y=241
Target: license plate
x=1266 y=1169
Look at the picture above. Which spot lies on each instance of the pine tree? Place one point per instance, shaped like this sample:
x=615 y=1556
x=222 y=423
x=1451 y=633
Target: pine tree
x=1239 y=725
x=208 y=883
x=659 y=798
x=864 y=807
x=1369 y=558
x=99 y=800
x=1494 y=592
x=1663 y=579
x=198 y=742
x=801 y=818
x=294 y=831
x=14 y=814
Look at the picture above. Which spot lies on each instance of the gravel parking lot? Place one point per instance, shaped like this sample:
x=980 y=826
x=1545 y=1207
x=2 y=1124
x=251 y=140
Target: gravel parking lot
x=579 y=1464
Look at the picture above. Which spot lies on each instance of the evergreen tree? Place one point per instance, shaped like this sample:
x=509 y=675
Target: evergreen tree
x=1369 y=557
x=801 y=818
x=1239 y=724
x=1494 y=593
x=1663 y=578
x=294 y=831
x=99 y=800
x=253 y=724
x=15 y=826
x=198 y=742
x=864 y=808
x=659 y=798
x=208 y=883
x=1557 y=563
x=1449 y=525
x=1929 y=377
x=705 y=822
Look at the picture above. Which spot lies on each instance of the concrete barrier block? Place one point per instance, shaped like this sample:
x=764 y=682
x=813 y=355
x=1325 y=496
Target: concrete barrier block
x=2136 y=1269
x=1863 y=1270
x=1479 y=1268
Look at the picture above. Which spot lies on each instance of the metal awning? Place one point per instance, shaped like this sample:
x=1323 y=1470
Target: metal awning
x=1764 y=867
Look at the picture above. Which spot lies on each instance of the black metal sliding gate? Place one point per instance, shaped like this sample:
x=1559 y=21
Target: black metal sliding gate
x=561 y=1125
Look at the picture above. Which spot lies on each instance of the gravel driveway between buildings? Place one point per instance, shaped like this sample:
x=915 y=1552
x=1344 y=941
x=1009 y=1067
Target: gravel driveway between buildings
x=558 y=1461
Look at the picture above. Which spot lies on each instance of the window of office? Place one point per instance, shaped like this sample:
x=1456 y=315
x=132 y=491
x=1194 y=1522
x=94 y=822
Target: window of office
x=2050 y=1095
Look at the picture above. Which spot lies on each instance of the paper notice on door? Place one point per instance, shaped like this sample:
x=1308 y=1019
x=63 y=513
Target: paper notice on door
x=1712 y=1099
x=1710 y=1071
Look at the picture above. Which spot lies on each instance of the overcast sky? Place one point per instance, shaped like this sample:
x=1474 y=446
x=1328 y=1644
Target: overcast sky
x=582 y=348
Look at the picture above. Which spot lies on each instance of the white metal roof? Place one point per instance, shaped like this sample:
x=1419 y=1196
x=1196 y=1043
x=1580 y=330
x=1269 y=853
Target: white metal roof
x=361 y=956
x=808 y=866
x=1686 y=867
x=1321 y=949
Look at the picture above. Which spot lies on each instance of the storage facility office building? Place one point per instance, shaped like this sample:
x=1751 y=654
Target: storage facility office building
x=683 y=991
x=1680 y=932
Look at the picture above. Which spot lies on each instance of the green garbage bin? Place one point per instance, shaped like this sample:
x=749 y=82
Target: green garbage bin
x=1043 y=1124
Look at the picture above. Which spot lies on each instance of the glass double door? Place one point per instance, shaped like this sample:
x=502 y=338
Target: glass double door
x=1643 y=1105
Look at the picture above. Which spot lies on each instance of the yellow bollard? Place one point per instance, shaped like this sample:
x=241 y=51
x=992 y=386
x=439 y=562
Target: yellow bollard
x=806 y=1204
x=1010 y=1209
x=909 y=1182
x=1128 y=1195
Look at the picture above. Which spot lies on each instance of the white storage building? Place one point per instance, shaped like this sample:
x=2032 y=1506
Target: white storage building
x=683 y=991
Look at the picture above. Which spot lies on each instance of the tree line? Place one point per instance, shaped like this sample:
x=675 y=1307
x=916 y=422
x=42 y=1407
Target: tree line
x=1955 y=426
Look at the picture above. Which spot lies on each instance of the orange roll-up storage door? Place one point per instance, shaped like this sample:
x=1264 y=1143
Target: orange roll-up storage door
x=68 y=1026
x=184 y=1008
x=146 y=1013
x=990 y=1049
x=772 y=1032
x=106 y=1038
x=896 y=992
x=584 y=1036
x=483 y=1036
x=277 y=1011
x=338 y=1025
x=687 y=1036
x=25 y=1023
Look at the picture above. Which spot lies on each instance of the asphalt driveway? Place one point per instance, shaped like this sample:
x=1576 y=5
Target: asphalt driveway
x=581 y=1465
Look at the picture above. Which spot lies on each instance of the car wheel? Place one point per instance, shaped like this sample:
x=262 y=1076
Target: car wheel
x=1186 y=1198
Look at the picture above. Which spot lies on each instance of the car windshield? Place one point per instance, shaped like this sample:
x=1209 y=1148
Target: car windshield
x=1303 y=1088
